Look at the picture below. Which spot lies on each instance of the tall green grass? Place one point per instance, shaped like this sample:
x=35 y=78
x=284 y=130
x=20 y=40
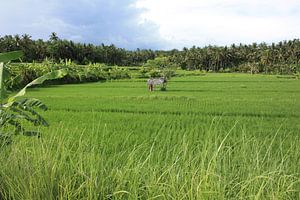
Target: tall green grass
x=212 y=137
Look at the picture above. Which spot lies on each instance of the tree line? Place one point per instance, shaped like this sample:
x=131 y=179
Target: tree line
x=56 y=49
x=282 y=57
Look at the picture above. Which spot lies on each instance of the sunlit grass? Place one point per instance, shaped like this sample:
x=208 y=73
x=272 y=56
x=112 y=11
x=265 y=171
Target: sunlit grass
x=219 y=136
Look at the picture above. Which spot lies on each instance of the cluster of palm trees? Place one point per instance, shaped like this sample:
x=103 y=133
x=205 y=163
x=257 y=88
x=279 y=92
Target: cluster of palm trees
x=282 y=57
x=57 y=49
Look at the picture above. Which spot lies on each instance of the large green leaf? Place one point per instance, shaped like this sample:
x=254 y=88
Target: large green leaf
x=1 y=81
x=13 y=55
x=49 y=76
x=15 y=109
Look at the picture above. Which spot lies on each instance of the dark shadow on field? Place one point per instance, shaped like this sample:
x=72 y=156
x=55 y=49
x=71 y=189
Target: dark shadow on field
x=57 y=85
x=41 y=87
x=53 y=84
x=199 y=113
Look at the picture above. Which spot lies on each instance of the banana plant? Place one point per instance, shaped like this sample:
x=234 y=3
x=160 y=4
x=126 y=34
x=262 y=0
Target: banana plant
x=16 y=110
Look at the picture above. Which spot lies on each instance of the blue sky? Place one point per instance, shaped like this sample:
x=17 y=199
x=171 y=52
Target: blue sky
x=156 y=24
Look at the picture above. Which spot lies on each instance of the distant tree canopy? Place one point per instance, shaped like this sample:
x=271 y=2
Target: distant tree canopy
x=282 y=57
x=57 y=49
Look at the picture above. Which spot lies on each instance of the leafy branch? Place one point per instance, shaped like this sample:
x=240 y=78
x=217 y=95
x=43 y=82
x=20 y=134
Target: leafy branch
x=15 y=110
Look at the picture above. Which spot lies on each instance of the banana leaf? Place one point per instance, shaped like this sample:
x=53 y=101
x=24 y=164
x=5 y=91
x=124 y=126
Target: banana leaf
x=9 y=56
x=49 y=76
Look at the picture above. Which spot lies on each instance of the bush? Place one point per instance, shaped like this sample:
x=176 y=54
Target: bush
x=143 y=73
x=252 y=68
x=154 y=73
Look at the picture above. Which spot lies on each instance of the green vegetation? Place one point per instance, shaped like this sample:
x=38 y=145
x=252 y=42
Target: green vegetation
x=210 y=136
x=24 y=73
x=279 y=58
x=14 y=110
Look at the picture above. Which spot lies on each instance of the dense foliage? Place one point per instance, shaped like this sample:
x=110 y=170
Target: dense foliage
x=23 y=73
x=280 y=58
x=57 y=49
x=16 y=110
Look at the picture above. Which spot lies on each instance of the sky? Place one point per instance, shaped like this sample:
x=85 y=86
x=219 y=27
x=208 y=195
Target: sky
x=155 y=24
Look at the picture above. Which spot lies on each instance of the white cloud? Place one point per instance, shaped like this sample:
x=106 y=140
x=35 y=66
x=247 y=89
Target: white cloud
x=219 y=22
x=89 y=21
x=154 y=23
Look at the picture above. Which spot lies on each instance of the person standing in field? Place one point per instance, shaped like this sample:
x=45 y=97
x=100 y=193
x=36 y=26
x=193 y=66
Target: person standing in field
x=157 y=81
x=150 y=84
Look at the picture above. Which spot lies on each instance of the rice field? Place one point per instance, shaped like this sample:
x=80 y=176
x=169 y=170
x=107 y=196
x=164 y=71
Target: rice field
x=218 y=136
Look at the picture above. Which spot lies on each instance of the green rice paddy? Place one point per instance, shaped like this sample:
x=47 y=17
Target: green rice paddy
x=218 y=136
